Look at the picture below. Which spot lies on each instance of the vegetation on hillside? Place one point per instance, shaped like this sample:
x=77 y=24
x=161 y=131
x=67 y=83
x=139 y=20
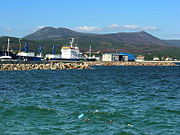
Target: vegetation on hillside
x=103 y=46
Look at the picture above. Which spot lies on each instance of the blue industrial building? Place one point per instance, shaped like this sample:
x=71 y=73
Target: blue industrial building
x=131 y=57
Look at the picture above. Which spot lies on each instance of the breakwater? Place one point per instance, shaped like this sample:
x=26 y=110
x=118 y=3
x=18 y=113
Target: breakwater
x=119 y=63
x=43 y=66
x=74 y=65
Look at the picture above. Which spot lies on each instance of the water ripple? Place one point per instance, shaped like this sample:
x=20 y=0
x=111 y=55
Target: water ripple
x=113 y=100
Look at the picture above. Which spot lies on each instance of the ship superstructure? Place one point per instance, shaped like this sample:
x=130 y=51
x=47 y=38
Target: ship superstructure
x=71 y=52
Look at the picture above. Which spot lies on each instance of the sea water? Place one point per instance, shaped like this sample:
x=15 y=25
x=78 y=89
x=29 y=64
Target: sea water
x=102 y=100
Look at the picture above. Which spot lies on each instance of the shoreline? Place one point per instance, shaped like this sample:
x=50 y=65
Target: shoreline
x=144 y=63
x=56 y=65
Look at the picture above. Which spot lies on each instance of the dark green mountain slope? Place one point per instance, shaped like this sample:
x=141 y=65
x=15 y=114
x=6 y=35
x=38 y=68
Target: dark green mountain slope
x=50 y=33
x=55 y=34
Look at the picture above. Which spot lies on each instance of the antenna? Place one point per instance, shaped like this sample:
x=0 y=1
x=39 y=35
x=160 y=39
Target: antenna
x=71 y=42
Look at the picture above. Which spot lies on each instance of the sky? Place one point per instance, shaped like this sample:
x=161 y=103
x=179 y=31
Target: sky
x=160 y=18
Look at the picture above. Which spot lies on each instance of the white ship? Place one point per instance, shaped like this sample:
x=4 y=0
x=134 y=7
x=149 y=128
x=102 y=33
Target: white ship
x=71 y=52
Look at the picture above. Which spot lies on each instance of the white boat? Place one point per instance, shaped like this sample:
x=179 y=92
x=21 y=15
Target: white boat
x=26 y=55
x=71 y=52
x=91 y=58
x=53 y=56
x=6 y=55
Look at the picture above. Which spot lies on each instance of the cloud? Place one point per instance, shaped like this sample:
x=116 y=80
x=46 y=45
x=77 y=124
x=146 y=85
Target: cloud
x=6 y=29
x=87 y=28
x=131 y=27
x=115 y=28
x=150 y=28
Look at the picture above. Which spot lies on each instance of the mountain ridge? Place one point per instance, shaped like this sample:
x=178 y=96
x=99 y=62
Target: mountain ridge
x=52 y=33
x=142 y=37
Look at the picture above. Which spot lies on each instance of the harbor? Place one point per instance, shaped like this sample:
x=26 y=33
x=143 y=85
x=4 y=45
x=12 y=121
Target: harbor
x=70 y=58
x=70 y=52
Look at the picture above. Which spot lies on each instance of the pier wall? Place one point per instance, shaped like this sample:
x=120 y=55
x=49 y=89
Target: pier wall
x=43 y=66
x=118 y=63
x=56 y=65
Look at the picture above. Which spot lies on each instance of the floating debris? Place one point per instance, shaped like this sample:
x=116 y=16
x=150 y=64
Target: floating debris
x=109 y=121
x=80 y=116
x=87 y=120
x=96 y=110
x=130 y=125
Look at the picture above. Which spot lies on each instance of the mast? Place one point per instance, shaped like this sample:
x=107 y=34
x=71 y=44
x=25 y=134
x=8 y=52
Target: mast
x=4 y=51
x=8 y=46
x=90 y=51
x=40 y=50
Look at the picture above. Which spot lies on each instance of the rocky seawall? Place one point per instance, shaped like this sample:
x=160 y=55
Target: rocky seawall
x=131 y=63
x=45 y=66
x=75 y=65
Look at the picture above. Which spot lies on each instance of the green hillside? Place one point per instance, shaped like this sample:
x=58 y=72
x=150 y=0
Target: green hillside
x=98 y=43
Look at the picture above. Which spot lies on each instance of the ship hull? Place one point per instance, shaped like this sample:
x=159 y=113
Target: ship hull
x=26 y=58
x=91 y=59
x=64 y=59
